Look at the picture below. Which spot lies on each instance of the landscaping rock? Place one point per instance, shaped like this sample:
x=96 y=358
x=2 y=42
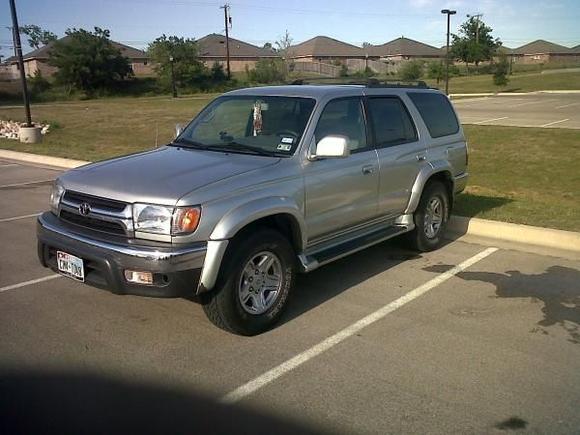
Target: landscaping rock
x=10 y=129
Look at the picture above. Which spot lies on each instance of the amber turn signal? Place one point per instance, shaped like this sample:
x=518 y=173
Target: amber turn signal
x=185 y=220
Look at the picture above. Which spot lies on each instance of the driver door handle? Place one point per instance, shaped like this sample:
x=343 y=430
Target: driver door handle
x=368 y=169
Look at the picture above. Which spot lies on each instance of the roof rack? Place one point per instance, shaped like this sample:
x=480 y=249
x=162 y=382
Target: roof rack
x=370 y=83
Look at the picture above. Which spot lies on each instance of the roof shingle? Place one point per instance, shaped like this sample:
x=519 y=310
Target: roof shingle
x=323 y=46
x=541 y=46
x=404 y=47
x=214 y=45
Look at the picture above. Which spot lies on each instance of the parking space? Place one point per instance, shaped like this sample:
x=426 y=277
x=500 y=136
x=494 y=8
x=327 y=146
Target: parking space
x=534 y=110
x=466 y=339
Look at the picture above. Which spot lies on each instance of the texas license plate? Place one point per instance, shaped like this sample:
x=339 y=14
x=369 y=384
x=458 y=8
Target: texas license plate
x=70 y=265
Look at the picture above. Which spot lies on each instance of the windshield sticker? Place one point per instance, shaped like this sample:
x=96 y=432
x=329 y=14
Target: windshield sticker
x=257 y=118
x=289 y=140
x=284 y=147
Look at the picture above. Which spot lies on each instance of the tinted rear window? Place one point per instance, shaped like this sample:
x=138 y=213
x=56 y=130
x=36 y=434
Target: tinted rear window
x=391 y=122
x=436 y=111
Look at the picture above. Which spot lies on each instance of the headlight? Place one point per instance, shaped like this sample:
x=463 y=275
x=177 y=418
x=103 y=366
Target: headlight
x=55 y=196
x=159 y=219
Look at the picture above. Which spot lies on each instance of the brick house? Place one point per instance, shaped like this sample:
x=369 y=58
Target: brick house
x=37 y=60
x=212 y=48
x=402 y=48
x=541 y=51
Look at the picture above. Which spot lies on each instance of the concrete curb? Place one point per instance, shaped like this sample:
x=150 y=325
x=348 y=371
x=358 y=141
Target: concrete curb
x=42 y=160
x=523 y=235
x=516 y=233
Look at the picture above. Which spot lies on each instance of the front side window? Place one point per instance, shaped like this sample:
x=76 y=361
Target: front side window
x=436 y=111
x=250 y=124
x=392 y=124
x=344 y=117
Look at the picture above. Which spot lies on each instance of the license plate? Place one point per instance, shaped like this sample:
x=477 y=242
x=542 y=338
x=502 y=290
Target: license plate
x=70 y=265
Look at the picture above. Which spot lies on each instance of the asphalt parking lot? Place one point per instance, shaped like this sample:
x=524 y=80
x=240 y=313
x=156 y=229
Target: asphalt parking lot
x=468 y=339
x=533 y=110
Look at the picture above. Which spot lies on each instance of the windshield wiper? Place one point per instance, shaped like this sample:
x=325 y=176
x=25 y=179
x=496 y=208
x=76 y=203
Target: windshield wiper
x=236 y=146
x=187 y=143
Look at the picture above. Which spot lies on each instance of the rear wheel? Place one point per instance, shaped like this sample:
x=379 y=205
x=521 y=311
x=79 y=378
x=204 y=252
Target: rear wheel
x=430 y=218
x=254 y=283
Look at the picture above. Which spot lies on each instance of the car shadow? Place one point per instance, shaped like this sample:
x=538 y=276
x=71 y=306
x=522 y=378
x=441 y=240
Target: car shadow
x=87 y=403
x=317 y=287
x=472 y=205
x=557 y=288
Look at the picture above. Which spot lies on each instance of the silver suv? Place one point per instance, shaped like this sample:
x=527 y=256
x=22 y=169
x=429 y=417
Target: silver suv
x=264 y=183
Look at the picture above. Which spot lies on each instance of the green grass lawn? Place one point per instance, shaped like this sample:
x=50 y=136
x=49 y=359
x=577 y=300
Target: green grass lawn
x=522 y=175
x=522 y=82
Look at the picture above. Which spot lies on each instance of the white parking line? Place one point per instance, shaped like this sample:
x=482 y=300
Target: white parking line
x=15 y=218
x=31 y=282
x=289 y=365
x=8 y=165
x=490 y=120
x=567 y=105
x=28 y=183
x=555 y=122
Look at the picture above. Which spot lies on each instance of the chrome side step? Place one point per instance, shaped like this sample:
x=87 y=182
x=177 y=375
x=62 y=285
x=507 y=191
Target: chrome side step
x=311 y=260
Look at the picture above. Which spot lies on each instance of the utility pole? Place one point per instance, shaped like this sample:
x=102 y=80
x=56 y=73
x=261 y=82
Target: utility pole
x=18 y=51
x=477 y=21
x=448 y=12
x=228 y=22
x=173 y=88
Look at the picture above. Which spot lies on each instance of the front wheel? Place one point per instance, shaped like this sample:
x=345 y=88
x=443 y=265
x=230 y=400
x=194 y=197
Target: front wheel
x=430 y=218
x=254 y=283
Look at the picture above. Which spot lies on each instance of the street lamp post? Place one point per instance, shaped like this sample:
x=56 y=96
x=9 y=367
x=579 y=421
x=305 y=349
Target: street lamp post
x=172 y=77
x=18 y=51
x=448 y=12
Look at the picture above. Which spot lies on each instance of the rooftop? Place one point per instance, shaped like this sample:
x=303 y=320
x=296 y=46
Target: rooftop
x=214 y=45
x=404 y=47
x=324 y=46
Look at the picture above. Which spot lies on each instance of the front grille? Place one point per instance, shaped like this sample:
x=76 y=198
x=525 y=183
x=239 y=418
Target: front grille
x=94 y=201
x=92 y=223
x=105 y=215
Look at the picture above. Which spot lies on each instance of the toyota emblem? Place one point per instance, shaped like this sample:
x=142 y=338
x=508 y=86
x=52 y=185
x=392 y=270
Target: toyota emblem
x=85 y=208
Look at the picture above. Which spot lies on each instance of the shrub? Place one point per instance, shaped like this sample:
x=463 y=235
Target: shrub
x=412 y=70
x=267 y=71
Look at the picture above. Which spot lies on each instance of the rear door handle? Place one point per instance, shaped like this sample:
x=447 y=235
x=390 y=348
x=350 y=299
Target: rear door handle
x=368 y=169
x=421 y=157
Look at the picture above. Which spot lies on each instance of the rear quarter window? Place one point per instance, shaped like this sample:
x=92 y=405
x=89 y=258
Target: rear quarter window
x=437 y=113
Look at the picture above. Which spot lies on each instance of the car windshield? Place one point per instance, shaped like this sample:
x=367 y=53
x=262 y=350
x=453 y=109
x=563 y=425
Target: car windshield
x=250 y=124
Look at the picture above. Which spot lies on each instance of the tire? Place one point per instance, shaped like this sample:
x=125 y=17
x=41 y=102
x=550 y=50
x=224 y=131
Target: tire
x=250 y=308
x=427 y=236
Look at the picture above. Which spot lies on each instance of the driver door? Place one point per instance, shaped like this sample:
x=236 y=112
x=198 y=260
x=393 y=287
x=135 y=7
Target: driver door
x=342 y=192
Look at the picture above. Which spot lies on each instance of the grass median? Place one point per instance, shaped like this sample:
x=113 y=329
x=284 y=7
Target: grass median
x=522 y=175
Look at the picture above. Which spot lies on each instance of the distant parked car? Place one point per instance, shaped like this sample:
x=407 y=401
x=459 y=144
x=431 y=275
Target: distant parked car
x=262 y=184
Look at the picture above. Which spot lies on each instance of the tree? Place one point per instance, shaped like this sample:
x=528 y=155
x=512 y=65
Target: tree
x=474 y=43
x=269 y=46
x=283 y=44
x=412 y=70
x=183 y=53
x=217 y=73
x=500 y=71
x=88 y=61
x=37 y=37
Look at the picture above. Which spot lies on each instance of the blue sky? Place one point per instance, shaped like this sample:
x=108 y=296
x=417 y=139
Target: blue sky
x=137 y=22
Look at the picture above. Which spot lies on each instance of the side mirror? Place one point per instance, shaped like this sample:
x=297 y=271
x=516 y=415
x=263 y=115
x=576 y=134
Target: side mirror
x=178 y=129
x=332 y=146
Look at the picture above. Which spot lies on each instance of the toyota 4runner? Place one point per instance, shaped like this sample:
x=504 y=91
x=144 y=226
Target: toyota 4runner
x=262 y=184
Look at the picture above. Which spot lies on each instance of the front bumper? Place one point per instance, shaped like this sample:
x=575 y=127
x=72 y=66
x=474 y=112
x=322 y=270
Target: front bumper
x=176 y=269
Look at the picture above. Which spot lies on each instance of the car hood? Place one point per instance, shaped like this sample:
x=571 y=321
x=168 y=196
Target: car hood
x=161 y=176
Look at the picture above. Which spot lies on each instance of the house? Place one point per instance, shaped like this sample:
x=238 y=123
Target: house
x=37 y=60
x=325 y=50
x=541 y=51
x=212 y=48
x=404 y=49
